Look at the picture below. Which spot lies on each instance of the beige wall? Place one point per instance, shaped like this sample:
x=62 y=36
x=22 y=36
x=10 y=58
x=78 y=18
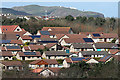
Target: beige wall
x=92 y=61
x=65 y=64
x=18 y=28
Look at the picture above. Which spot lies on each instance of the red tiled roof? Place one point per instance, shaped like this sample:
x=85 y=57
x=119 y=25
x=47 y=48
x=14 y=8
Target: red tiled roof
x=59 y=36
x=6 y=53
x=16 y=42
x=113 y=51
x=12 y=63
x=58 y=32
x=76 y=36
x=87 y=33
x=8 y=28
x=9 y=36
x=26 y=48
x=73 y=40
x=48 y=61
x=55 y=70
x=56 y=28
x=68 y=60
x=37 y=70
x=26 y=37
x=44 y=36
x=36 y=47
x=110 y=35
x=50 y=45
x=34 y=62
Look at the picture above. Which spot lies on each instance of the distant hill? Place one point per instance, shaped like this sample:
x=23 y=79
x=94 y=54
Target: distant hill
x=54 y=11
x=11 y=11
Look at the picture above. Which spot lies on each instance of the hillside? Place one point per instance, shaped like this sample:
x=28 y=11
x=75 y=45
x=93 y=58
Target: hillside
x=55 y=11
x=11 y=11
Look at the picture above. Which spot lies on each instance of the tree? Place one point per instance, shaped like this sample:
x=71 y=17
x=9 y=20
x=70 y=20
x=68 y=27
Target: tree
x=112 y=23
x=69 y=18
x=27 y=43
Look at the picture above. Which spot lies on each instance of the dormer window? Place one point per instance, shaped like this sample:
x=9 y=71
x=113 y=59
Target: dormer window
x=3 y=29
x=6 y=29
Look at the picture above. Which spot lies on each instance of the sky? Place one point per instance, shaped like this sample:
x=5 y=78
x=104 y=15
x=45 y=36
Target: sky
x=109 y=9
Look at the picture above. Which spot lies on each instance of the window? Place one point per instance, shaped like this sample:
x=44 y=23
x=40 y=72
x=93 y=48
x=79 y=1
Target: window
x=52 y=49
x=6 y=29
x=28 y=57
x=18 y=29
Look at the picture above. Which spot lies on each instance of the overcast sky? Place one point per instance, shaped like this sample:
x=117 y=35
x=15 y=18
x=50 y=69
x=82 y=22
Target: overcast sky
x=108 y=8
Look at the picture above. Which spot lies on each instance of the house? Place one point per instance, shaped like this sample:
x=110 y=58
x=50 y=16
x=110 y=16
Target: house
x=44 y=63
x=11 y=65
x=108 y=37
x=106 y=59
x=43 y=33
x=57 y=30
x=32 y=48
x=6 y=55
x=13 y=49
x=92 y=53
x=49 y=72
x=76 y=36
x=100 y=36
x=97 y=37
x=45 y=41
x=10 y=28
x=69 y=41
x=55 y=54
x=13 y=29
x=71 y=36
x=105 y=46
x=35 y=40
x=68 y=61
x=25 y=38
x=28 y=55
x=59 y=37
x=51 y=46
x=114 y=51
x=23 y=33
x=81 y=47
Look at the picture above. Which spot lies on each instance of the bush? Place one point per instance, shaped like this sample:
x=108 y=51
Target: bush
x=60 y=61
x=14 y=58
x=27 y=43
x=69 y=18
